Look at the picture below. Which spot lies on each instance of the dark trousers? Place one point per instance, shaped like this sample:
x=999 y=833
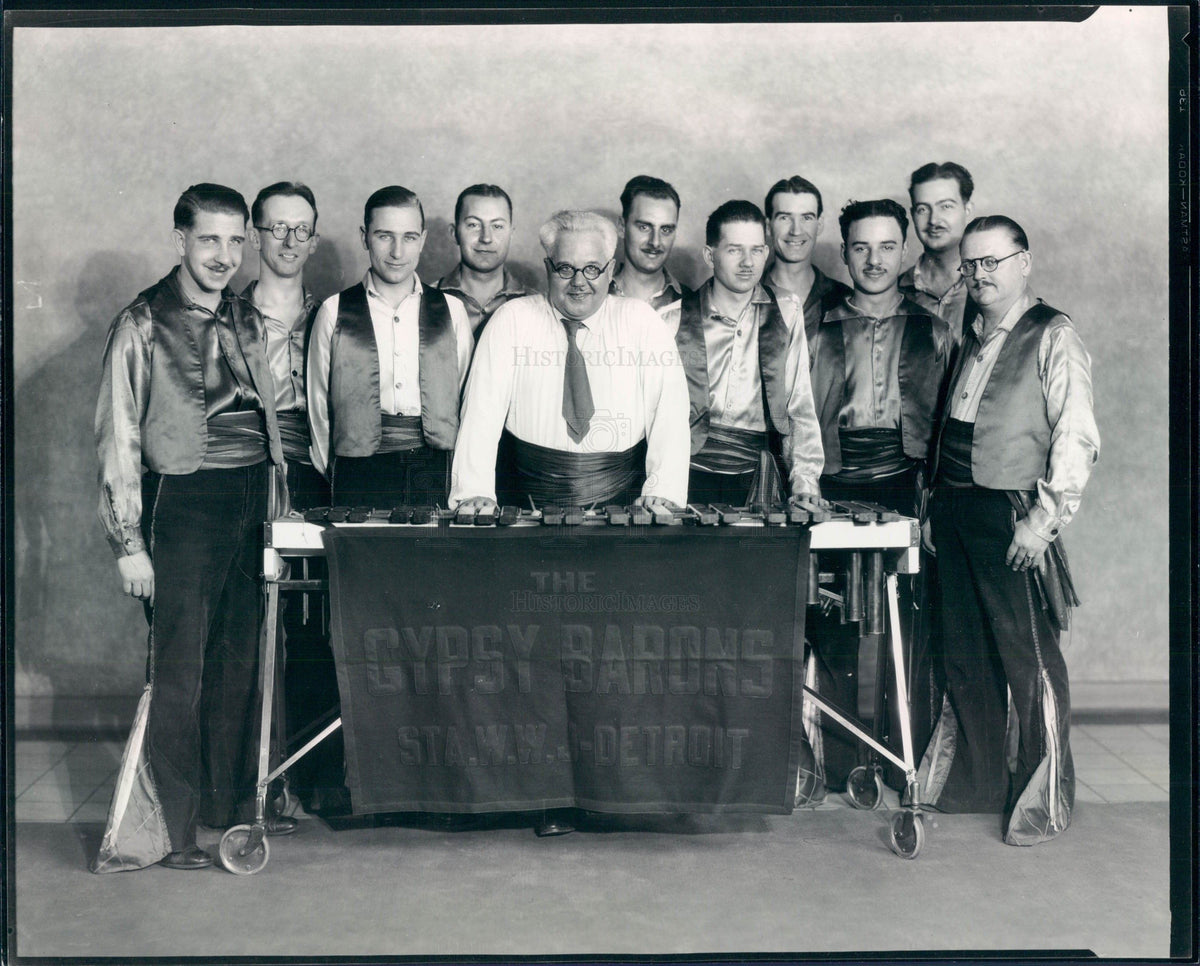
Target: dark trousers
x=731 y=488
x=995 y=638
x=204 y=532
x=848 y=667
x=306 y=487
x=417 y=477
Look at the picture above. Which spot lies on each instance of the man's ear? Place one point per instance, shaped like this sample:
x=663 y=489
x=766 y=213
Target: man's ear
x=845 y=261
x=708 y=255
x=179 y=241
x=255 y=239
x=362 y=233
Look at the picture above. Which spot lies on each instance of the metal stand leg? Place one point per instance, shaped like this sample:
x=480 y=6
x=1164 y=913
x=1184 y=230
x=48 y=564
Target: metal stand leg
x=908 y=828
x=244 y=849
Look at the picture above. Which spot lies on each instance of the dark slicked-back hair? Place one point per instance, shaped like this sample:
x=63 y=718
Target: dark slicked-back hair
x=947 y=169
x=482 y=191
x=283 y=189
x=393 y=196
x=649 y=186
x=732 y=211
x=878 y=208
x=989 y=222
x=213 y=198
x=795 y=185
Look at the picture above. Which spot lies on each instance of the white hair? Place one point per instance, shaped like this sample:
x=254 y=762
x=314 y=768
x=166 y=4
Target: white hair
x=578 y=221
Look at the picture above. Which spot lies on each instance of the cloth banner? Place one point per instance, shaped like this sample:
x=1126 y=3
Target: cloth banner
x=618 y=670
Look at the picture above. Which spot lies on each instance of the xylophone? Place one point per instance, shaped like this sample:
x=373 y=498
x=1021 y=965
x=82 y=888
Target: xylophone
x=857 y=551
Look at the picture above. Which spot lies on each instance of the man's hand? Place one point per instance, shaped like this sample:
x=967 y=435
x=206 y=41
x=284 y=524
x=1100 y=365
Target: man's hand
x=1027 y=549
x=806 y=491
x=476 y=503
x=137 y=575
x=652 y=501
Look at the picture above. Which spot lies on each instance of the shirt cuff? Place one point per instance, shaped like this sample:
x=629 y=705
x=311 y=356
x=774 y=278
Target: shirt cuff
x=805 y=484
x=127 y=542
x=1042 y=523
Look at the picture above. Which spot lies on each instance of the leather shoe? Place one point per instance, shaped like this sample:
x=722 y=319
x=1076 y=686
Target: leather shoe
x=557 y=822
x=280 y=825
x=193 y=857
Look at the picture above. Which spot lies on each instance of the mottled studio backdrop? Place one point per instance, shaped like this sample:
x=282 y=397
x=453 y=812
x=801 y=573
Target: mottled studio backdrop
x=1064 y=127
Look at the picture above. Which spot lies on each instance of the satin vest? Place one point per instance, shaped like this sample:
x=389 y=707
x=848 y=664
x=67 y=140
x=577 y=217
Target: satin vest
x=174 y=431
x=693 y=353
x=354 y=413
x=1011 y=442
x=921 y=370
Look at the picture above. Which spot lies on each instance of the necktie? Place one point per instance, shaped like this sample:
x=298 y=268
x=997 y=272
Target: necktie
x=577 y=408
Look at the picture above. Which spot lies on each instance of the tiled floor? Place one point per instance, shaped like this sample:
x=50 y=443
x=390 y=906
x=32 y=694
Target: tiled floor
x=61 y=781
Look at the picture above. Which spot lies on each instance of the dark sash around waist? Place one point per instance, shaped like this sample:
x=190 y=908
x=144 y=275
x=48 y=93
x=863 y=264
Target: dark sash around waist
x=400 y=433
x=234 y=440
x=730 y=450
x=294 y=435
x=954 y=459
x=553 y=476
x=871 y=454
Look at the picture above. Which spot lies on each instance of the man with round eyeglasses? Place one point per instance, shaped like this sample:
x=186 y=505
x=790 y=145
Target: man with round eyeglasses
x=587 y=387
x=1016 y=447
x=587 y=384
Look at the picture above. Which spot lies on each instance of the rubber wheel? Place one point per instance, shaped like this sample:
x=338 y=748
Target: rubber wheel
x=864 y=788
x=234 y=854
x=908 y=834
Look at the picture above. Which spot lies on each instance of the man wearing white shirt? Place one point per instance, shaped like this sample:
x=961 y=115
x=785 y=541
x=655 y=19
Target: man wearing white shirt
x=747 y=374
x=588 y=384
x=387 y=360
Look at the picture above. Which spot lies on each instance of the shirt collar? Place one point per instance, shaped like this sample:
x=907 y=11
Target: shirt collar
x=757 y=297
x=916 y=278
x=369 y=284
x=1022 y=305
x=310 y=302
x=846 y=309
x=227 y=294
x=592 y=322
x=670 y=284
x=452 y=281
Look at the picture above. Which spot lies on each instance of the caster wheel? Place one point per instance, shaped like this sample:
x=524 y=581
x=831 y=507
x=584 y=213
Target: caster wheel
x=244 y=850
x=908 y=834
x=864 y=787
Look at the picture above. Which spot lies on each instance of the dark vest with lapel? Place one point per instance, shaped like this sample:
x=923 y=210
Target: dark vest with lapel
x=1011 y=442
x=693 y=353
x=354 y=414
x=921 y=371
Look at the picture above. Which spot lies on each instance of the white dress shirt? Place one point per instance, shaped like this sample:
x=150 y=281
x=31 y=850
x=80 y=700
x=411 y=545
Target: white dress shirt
x=397 y=340
x=636 y=378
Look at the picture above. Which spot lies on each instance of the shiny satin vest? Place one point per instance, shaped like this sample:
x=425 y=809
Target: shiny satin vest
x=354 y=414
x=1011 y=443
x=693 y=353
x=920 y=377
x=174 y=435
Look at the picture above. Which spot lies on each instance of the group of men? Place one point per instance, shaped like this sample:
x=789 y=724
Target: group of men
x=947 y=392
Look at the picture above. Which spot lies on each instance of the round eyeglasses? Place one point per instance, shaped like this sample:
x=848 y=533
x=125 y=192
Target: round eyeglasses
x=302 y=232
x=566 y=271
x=988 y=263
